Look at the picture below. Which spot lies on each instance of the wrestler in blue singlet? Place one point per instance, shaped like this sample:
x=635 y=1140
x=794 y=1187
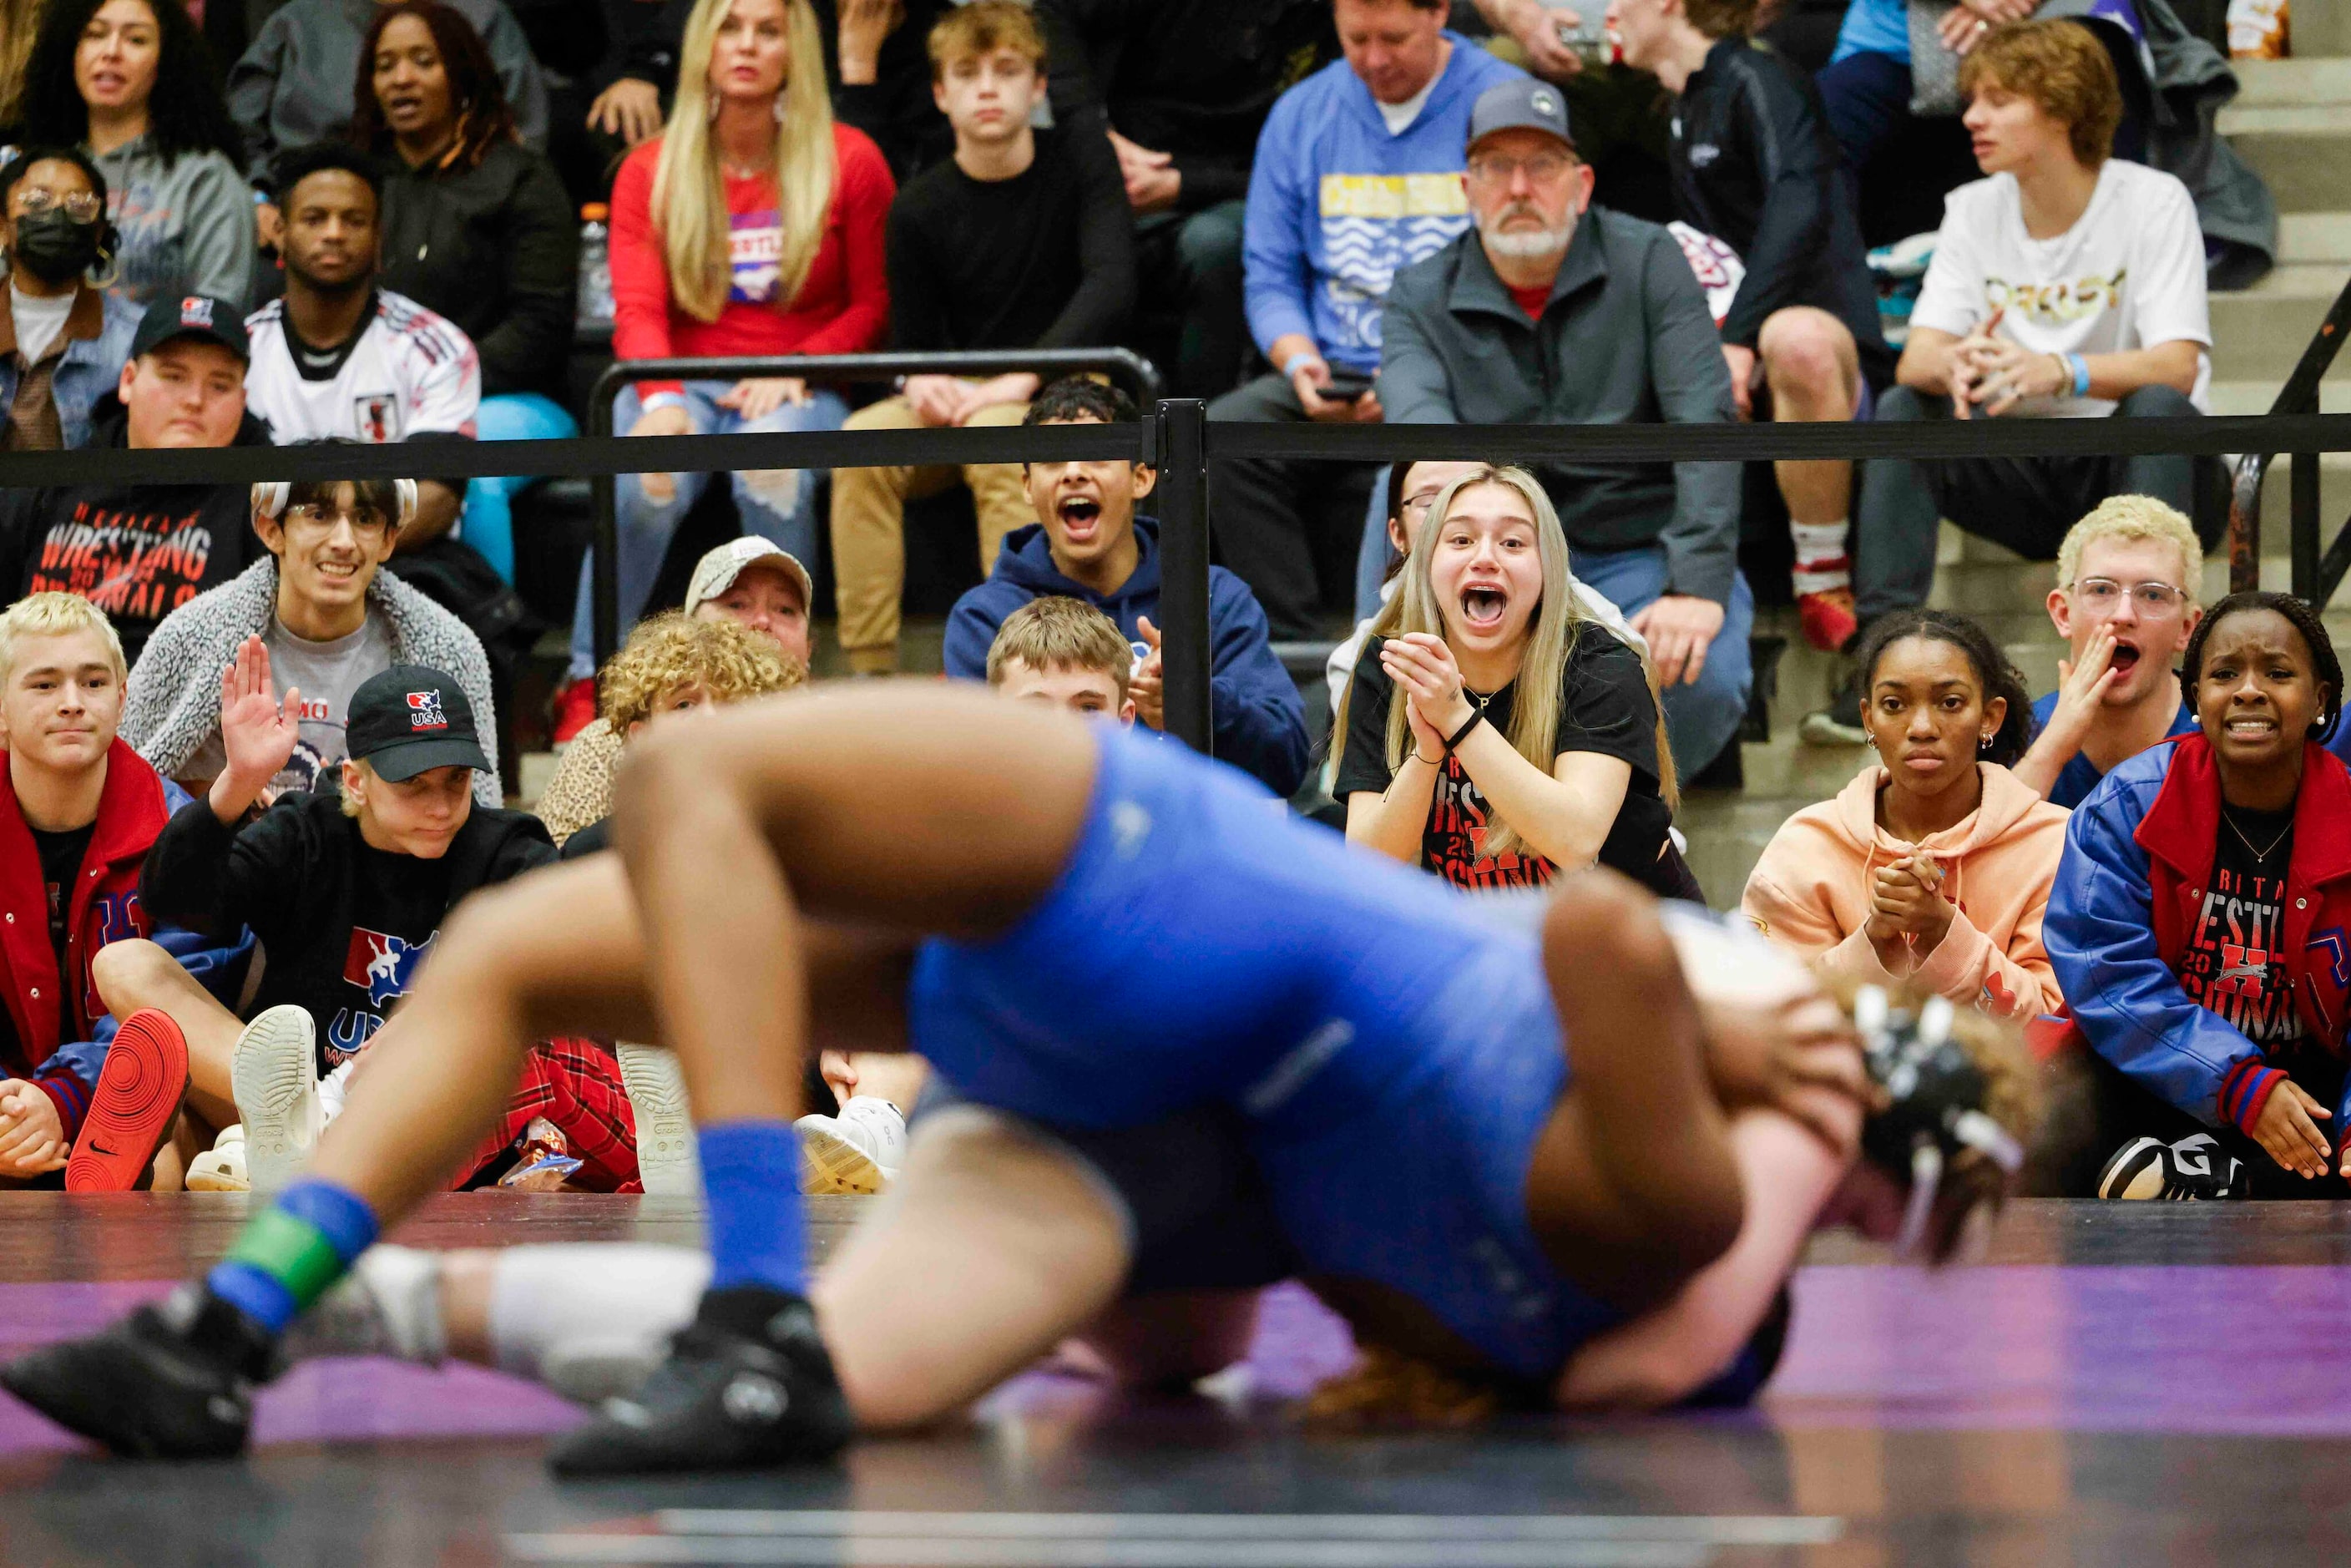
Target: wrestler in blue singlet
x=1394 y=1054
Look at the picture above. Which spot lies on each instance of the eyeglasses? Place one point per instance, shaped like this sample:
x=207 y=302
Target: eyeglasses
x=2156 y=601
x=366 y=523
x=1418 y=505
x=81 y=206
x=1540 y=168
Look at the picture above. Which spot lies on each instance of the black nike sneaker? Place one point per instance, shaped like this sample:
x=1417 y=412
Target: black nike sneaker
x=748 y=1385
x=174 y=1380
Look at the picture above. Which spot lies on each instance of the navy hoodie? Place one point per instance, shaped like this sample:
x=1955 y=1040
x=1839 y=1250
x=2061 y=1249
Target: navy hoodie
x=1260 y=722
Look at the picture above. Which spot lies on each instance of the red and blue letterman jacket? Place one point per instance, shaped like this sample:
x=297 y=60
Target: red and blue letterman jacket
x=2126 y=906
x=102 y=907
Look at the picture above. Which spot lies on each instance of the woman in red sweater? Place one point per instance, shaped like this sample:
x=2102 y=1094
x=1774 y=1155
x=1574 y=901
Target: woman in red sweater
x=752 y=225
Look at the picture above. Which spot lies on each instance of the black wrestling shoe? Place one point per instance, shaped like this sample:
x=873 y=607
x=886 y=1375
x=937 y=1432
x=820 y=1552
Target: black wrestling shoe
x=174 y=1380
x=748 y=1385
x=2195 y=1169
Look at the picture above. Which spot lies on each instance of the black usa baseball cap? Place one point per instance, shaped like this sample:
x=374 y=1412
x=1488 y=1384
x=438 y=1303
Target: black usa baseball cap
x=191 y=316
x=410 y=718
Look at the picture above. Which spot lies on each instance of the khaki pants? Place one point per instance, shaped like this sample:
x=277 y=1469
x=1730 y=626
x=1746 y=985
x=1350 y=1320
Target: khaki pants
x=869 y=527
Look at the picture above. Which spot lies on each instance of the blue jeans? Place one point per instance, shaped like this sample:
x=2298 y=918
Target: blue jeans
x=1867 y=98
x=783 y=508
x=1373 y=558
x=487 y=522
x=1700 y=720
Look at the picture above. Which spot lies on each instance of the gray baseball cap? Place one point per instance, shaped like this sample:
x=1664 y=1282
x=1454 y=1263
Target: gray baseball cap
x=1522 y=103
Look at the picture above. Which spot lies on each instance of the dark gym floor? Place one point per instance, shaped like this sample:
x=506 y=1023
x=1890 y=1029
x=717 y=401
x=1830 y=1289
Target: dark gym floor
x=2129 y=1383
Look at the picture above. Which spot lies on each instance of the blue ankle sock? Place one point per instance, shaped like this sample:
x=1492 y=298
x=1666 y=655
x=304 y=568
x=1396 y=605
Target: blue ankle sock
x=751 y=1187
x=291 y=1252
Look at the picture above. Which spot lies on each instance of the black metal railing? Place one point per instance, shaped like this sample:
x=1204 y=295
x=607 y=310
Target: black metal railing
x=1141 y=376
x=2314 y=577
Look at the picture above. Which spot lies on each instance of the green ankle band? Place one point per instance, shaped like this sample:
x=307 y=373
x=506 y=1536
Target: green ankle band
x=294 y=1253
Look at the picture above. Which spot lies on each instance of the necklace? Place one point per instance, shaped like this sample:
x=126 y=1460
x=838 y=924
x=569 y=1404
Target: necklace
x=2261 y=856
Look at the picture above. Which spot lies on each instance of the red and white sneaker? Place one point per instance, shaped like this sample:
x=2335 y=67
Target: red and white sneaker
x=575 y=710
x=130 y=1114
x=1828 y=618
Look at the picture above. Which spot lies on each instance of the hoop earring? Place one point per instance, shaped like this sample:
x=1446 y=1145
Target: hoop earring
x=1984 y=745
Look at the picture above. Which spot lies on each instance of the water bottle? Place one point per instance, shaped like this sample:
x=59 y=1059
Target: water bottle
x=595 y=266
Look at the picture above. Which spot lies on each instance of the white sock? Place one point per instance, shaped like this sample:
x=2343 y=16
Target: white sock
x=592 y=1320
x=1822 y=563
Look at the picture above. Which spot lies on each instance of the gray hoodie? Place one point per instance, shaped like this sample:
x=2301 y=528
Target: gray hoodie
x=187 y=227
x=293 y=85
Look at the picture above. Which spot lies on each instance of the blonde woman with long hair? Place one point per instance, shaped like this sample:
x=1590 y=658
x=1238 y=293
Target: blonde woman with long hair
x=752 y=225
x=1492 y=733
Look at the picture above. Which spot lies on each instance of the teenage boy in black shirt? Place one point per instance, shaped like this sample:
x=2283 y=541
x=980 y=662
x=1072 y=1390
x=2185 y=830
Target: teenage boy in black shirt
x=345 y=889
x=1022 y=241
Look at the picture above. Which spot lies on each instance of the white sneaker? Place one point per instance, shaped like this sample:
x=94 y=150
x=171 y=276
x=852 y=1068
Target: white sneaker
x=220 y=1168
x=859 y=1150
x=275 y=1074
x=389 y=1305
x=667 y=1160
x=332 y=1087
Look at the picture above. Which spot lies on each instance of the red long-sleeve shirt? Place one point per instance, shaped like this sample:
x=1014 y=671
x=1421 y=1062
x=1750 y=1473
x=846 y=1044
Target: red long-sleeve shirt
x=843 y=308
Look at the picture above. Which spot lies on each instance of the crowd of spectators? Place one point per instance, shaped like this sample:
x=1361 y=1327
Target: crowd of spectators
x=373 y=225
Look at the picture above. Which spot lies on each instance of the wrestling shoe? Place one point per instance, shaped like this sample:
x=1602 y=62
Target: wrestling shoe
x=174 y=1380
x=748 y=1385
x=2194 y=1169
x=667 y=1160
x=575 y=710
x=1839 y=724
x=131 y=1111
x=859 y=1150
x=1827 y=618
x=221 y=1168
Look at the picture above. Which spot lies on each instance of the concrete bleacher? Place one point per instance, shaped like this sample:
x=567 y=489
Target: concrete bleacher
x=2293 y=123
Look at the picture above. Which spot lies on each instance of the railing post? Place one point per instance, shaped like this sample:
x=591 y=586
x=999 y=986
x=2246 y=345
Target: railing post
x=2303 y=475
x=1182 y=499
x=604 y=535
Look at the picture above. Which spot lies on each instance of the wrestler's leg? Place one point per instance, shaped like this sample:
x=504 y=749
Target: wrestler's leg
x=1632 y=1186
x=993 y=1245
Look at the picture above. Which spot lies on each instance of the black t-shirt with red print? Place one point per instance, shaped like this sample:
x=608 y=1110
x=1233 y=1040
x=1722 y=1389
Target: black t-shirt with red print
x=2231 y=966
x=1604 y=708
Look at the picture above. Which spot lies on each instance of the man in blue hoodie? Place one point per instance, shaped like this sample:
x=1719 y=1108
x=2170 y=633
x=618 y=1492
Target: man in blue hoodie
x=1092 y=547
x=1358 y=176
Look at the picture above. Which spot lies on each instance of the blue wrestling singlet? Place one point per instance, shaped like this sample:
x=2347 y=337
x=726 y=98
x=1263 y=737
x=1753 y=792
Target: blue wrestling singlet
x=1393 y=1055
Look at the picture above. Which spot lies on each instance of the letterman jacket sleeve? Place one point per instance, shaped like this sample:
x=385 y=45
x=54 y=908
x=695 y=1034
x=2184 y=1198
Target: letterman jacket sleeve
x=2100 y=933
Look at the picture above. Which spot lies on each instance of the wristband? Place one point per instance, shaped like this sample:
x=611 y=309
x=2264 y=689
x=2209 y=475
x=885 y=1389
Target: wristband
x=2081 y=368
x=1477 y=717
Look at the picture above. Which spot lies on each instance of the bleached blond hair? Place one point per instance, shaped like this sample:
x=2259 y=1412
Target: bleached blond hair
x=56 y=615
x=2133 y=517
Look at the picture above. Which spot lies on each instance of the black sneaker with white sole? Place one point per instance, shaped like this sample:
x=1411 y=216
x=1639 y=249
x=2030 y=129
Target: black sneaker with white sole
x=1838 y=724
x=174 y=1380
x=2195 y=1169
x=748 y=1385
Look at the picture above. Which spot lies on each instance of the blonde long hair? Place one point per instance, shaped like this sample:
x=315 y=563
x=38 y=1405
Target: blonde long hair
x=1552 y=631
x=689 y=199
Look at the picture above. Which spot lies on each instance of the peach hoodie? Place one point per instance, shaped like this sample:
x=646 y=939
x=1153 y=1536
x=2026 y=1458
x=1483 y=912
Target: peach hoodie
x=1811 y=891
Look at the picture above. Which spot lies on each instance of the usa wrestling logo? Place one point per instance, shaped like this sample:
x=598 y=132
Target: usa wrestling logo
x=425 y=711
x=382 y=966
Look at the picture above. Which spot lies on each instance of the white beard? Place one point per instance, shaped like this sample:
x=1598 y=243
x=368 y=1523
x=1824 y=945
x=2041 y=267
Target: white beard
x=1527 y=245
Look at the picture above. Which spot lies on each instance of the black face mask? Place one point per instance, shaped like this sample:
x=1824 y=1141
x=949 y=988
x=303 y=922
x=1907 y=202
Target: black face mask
x=53 y=248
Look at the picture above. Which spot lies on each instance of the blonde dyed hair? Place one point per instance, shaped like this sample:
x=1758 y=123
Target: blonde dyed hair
x=1058 y=632
x=1551 y=632
x=689 y=196
x=2133 y=517
x=672 y=653
x=56 y=615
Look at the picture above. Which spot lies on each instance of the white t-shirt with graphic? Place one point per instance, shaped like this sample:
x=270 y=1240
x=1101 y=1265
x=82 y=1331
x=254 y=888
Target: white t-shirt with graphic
x=2128 y=275
x=408 y=372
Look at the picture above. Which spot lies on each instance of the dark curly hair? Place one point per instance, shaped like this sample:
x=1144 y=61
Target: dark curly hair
x=1993 y=673
x=20 y=163
x=185 y=112
x=1074 y=399
x=485 y=118
x=2302 y=619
